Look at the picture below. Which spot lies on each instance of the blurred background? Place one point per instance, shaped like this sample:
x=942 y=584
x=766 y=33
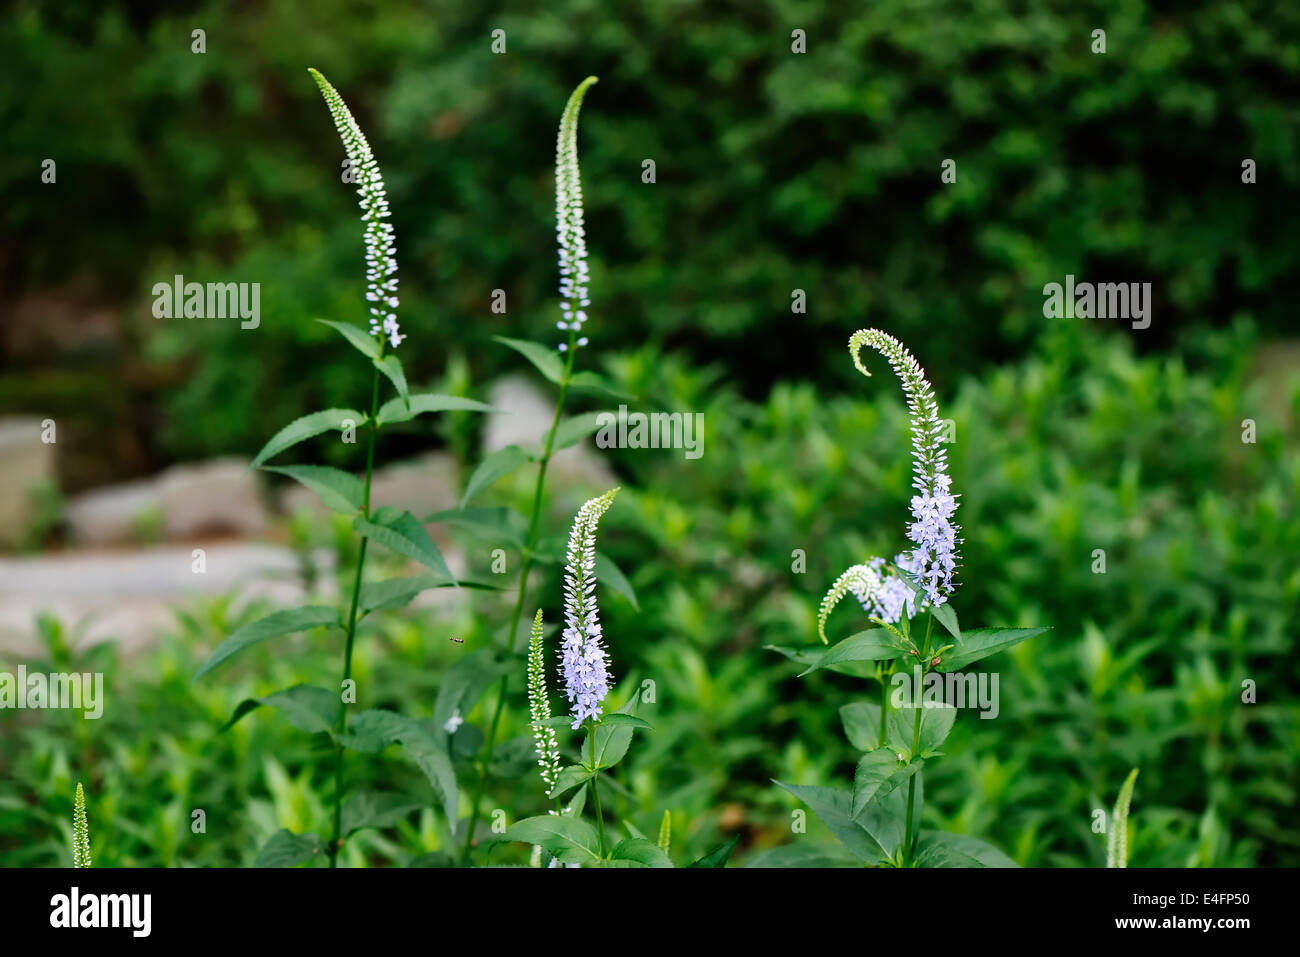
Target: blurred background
x=774 y=172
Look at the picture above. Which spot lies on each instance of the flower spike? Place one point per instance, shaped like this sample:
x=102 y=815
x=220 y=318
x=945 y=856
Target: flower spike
x=381 y=253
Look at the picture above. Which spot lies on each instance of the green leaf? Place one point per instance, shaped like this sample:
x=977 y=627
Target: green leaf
x=391 y=367
x=427 y=754
x=372 y=730
x=613 y=740
x=287 y=849
x=944 y=849
x=338 y=490
x=719 y=856
x=641 y=851
x=395 y=592
x=802 y=854
x=546 y=359
x=403 y=533
x=612 y=576
x=363 y=341
x=627 y=720
x=982 y=642
x=398 y=410
x=570 y=778
x=503 y=525
x=936 y=722
x=595 y=383
x=570 y=839
x=875 y=644
x=376 y=809
x=878 y=773
x=861 y=721
x=573 y=430
x=309 y=425
x=500 y=463
x=948 y=618
x=272 y=626
x=307 y=708
x=833 y=808
x=810 y=655
x=375 y=729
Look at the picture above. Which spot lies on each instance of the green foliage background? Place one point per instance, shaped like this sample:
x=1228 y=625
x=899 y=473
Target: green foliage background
x=775 y=172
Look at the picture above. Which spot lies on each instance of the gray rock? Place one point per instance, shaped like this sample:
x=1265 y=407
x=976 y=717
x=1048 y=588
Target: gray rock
x=531 y=413
x=217 y=497
x=113 y=515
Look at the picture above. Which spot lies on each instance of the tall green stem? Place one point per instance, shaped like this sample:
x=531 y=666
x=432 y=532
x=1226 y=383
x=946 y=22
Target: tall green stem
x=595 y=795
x=884 y=701
x=534 y=520
x=336 y=840
x=909 y=845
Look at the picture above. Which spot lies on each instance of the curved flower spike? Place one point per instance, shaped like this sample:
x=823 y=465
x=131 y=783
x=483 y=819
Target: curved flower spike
x=570 y=234
x=934 y=559
x=584 y=664
x=381 y=261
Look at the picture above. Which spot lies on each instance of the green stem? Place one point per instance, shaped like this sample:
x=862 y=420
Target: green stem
x=336 y=840
x=884 y=701
x=595 y=795
x=909 y=845
x=534 y=521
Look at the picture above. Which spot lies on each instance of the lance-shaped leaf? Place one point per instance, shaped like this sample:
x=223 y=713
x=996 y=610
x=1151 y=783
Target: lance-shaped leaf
x=391 y=367
x=272 y=626
x=979 y=643
x=497 y=465
x=338 y=490
x=398 y=410
x=302 y=429
x=396 y=592
x=307 y=708
x=612 y=576
x=834 y=808
x=547 y=361
x=375 y=729
x=719 y=856
x=401 y=532
x=875 y=644
x=569 y=839
x=640 y=852
x=287 y=849
x=945 y=849
x=361 y=340
x=878 y=773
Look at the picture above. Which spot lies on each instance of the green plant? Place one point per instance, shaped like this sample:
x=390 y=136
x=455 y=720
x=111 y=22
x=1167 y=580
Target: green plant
x=873 y=821
x=311 y=708
x=1117 y=842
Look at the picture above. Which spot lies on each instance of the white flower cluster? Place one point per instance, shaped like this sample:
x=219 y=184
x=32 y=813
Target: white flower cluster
x=539 y=707
x=381 y=251
x=570 y=234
